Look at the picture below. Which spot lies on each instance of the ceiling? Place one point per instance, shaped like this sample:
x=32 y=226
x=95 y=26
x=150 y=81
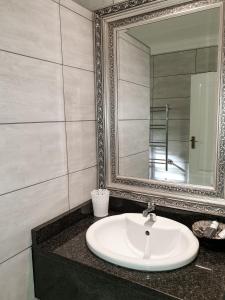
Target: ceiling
x=96 y=4
x=196 y=30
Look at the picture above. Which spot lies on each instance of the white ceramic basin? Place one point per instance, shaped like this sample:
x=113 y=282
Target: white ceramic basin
x=122 y=240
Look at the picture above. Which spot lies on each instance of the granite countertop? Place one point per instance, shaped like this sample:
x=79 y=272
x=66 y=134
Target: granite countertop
x=203 y=279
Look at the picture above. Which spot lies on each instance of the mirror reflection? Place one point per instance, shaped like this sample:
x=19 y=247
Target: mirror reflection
x=168 y=98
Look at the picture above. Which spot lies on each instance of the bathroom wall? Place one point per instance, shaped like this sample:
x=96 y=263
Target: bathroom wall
x=172 y=85
x=133 y=106
x=47 y=126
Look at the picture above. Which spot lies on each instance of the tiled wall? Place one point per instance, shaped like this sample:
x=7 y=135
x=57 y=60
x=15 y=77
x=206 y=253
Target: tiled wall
x=172 y=85
x=47 y=126
x=133 y=107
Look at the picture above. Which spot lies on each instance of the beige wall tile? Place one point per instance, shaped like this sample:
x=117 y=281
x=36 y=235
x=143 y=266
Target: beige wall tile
x=16 y=278
x=31 y=153
x=133 y=101
x=133 y=137
x=207 y=60
x=80 y=186
x=178 y=131
x=77 y=40
x=174 y=174
x=178 y=151
x=122 y=34
x=31 y=28
x=134 y=64
x=172 y=86
x=81 y=10
x=30 y=90
x=79 y=94
x=135 y=165
x=175 y=63
x=25 y=209
x=81 y=138
x=179 y=108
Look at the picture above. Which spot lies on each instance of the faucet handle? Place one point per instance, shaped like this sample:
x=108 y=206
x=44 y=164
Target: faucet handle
x=151 y=205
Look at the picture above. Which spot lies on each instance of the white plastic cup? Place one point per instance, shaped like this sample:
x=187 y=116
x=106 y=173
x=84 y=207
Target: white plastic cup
x=100 y=202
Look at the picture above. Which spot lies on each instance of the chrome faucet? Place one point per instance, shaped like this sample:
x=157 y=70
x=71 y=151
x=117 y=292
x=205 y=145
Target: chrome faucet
x=151 y=208
x=149 y=212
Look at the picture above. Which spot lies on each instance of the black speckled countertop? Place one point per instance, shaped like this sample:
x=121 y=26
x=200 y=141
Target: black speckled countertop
x=203 y=279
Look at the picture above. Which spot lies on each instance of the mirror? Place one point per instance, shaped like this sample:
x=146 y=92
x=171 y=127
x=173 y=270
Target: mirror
x=167 y=98
x=160 y=102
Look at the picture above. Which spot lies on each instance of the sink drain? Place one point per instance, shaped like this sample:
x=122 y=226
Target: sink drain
x=147 y=232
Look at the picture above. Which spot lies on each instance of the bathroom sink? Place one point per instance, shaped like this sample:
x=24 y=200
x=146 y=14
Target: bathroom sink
x=130 y=240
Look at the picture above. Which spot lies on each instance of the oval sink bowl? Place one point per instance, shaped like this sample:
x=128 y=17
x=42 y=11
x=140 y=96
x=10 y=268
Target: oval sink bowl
x=130 y=241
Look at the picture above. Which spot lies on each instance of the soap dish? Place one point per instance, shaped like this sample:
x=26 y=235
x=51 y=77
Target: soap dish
x=215 y=242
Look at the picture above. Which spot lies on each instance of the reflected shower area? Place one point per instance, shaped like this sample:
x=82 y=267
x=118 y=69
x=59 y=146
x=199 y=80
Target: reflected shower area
x=167 y=98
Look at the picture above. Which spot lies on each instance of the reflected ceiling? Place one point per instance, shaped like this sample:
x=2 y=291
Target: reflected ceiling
x=96 y=4
x=195 y=30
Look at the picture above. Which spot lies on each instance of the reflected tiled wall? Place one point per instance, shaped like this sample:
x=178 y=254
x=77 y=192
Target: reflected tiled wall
x=47 y=126
x=172 y=85
x=133 y=107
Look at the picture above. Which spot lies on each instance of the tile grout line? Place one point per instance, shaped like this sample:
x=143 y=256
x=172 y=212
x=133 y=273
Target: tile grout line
x=44 y=60
x=132 y=44
x=47 y=180
x=121 y=120
x=34 y=184
x=18 y=253
x=139 y=84
x=59 y=3
x=45 y=122
x=68 y=66
x=76 y=12
x=87 y=168
x=133 y=154
x=64 y=105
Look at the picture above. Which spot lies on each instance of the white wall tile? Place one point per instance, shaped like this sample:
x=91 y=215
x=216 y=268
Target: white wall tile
x=25 y=209
x=136 y=165
x=133 y=101
x=80 y=186
x=178 y=131
x=31 y=153
x=81 y=139
x=30 y=90
x=16 y=278
x=81 y=10
x=122 y=34
x=77 y=40
x=31 y=28
x=133 y=136
x=79 y=94
x=134 y=63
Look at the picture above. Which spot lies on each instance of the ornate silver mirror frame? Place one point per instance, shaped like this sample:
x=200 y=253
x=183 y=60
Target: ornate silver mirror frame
x=182 y=196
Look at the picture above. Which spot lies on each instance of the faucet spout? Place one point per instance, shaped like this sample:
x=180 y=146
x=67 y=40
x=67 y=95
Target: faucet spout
x=152 y=217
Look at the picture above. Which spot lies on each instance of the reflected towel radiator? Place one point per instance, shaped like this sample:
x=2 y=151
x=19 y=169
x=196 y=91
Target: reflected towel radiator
x=165 y=127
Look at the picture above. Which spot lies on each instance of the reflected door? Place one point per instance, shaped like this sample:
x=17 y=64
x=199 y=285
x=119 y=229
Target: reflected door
x=203 y=125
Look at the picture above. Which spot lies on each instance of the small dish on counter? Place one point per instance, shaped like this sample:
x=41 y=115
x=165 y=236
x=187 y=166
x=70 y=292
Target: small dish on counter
x=215 y=242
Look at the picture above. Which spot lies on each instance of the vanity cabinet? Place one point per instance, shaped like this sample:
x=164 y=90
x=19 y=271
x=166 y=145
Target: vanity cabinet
x=65 y=269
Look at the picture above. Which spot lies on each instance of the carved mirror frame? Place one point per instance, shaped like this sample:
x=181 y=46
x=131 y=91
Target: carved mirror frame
x=181 y=196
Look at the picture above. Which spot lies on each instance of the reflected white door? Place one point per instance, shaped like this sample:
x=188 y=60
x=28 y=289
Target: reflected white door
x=203 y=123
